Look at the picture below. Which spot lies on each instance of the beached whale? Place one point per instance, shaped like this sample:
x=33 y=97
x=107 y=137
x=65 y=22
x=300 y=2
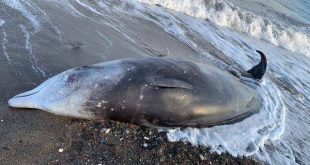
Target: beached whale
x=147 y=91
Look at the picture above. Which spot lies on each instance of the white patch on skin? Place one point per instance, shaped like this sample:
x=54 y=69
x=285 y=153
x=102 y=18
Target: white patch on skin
x=69 y=97
x=131 y=68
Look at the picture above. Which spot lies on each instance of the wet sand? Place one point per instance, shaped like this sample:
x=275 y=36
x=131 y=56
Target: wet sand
x=30 y=136
x=35 y=137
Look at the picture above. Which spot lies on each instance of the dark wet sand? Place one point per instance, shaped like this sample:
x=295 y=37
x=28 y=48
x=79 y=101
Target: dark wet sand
x=35 y=137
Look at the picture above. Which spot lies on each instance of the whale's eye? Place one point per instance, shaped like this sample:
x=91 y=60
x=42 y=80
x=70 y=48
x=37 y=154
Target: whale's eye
x=82 y=67
x=85 y=66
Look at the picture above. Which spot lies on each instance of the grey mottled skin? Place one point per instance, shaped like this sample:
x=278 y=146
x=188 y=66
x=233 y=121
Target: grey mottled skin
x=169 y=92
x=147 y=91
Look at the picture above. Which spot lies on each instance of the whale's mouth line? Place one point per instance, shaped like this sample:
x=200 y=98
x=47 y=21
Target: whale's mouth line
x=18 y=96
x=36 y=90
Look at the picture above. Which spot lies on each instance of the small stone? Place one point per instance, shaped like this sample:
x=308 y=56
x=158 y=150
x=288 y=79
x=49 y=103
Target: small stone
x=201 y=157
x=126 y=131
x=105 y=130
x=144 y=145
x=101 y=141
x=60 y=150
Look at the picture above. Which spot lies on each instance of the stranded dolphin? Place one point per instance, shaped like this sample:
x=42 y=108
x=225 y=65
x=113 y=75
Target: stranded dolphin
x=147 y=91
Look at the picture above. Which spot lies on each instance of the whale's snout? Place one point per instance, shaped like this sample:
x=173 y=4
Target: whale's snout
x=20 y=102
x=64 y=94
x=30 y=99
x=24 y=100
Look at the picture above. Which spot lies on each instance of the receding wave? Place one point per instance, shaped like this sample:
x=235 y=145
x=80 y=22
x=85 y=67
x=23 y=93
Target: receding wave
x=225 y=14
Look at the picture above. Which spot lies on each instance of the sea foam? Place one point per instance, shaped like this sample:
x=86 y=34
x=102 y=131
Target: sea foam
x=225 y=14
x=1 y=22
x=17 y=5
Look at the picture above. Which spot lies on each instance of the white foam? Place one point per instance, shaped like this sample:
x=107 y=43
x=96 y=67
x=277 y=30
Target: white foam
x=115 y=27
x=110 y=43
x=17 y=5
x=5 y=41
x=35 y=7
x=33 y=58
x=244 y=138
x=70 y=8
x=2 y=22
x=89 y=8
x=225 y=14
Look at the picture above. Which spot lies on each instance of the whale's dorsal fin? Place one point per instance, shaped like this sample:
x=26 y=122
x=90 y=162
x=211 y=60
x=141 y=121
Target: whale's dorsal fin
x=169 y=83
x=259 y=70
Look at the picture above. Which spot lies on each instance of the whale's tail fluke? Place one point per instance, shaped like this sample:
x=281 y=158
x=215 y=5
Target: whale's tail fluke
x=259 y=70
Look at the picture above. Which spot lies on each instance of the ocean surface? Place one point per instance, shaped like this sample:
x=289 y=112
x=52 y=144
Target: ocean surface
x=226 y=33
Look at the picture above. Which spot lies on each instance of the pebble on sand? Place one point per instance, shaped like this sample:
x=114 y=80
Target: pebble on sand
x=144 y=145
x=105 y=130
x=201 y=157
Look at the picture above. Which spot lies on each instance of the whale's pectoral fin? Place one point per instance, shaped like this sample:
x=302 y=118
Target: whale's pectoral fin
x=259 y=70
x=169 y=83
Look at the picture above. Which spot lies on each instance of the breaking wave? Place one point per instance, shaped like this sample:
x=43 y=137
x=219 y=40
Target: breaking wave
x=225 y=14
